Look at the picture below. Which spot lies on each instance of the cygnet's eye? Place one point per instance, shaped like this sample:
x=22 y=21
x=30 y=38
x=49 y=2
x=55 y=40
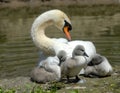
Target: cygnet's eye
x=82 y=50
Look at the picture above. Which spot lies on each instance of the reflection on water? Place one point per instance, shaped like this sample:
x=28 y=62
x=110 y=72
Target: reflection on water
x=18 y=54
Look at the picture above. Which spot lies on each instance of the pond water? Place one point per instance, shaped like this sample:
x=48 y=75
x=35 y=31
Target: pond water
x=18 y=54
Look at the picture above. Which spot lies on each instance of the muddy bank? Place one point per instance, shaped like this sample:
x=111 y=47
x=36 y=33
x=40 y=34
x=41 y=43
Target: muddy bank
x=109 y=84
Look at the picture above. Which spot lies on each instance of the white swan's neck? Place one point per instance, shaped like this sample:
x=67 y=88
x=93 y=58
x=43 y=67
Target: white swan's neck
x=52 y=17
x=38 y=34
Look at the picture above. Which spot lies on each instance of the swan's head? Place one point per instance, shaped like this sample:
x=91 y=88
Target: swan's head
x=53 y=17
x=62 y=22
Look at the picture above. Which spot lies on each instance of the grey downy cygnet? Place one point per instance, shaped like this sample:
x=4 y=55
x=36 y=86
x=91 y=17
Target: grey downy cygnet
x=99 y=66
x=47 y=71
x=71 y=67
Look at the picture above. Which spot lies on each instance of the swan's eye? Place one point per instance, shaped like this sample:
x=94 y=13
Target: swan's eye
x=68 y=25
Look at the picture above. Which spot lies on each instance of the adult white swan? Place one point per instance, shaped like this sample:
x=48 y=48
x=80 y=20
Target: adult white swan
x=51 y=46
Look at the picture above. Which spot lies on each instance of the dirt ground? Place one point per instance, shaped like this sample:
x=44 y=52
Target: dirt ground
x=109 y=84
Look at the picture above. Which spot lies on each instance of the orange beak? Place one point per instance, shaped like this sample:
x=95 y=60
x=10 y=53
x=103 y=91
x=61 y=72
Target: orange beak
x=66 y=31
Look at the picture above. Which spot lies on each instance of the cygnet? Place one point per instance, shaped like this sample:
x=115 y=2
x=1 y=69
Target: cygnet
x=99 y=66
x=71 y=67
x=47 y=71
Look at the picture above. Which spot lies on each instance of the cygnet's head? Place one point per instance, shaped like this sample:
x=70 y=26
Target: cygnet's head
x=96 y=60
x=62 y=56
x=79 y=50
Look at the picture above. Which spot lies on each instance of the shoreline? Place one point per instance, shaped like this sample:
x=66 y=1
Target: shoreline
x=34 y=3
x=71 y=10
x=93 y=85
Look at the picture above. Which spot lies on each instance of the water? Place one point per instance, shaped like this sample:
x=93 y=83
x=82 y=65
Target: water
x=18 y=54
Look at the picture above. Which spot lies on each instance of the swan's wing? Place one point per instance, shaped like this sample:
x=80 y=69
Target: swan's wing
x=58 y=46
x=42 y=56
x=53 y=60
x=49 y=61
x=61 y=40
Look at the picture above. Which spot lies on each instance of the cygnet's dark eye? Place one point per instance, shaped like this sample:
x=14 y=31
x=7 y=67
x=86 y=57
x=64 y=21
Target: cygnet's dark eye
x=82 y=50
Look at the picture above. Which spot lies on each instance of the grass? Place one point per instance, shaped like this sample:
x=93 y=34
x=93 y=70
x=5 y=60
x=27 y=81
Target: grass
x=7 y=90
x=35 y=89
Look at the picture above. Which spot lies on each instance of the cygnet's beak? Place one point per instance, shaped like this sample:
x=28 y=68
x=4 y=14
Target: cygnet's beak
x=67 y=33
x=85 y=54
